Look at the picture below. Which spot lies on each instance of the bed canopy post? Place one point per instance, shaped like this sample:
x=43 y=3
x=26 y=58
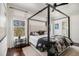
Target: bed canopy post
x=69 y=27
x=48 y=20
x=28 y=30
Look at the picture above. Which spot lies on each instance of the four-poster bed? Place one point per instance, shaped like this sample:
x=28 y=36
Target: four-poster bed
x=48 y=7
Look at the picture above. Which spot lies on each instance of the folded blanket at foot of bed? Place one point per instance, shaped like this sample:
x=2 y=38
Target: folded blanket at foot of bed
x=61 y=43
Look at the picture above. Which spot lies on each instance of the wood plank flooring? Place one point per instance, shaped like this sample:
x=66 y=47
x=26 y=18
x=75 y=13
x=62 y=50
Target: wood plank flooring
x=26 y=51
x=15 y=52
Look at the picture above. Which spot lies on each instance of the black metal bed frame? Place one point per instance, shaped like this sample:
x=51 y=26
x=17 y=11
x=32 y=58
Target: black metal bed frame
x=48 y=21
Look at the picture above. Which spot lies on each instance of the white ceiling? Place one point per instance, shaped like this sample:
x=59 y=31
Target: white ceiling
x=70 y=9
x=32 y=8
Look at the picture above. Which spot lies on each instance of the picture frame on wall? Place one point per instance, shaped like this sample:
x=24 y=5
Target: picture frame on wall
x=56 y=26
x=19 y=23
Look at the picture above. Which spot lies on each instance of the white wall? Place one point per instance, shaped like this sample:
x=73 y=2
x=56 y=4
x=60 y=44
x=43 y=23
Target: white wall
x=75 y=28
x=37 y=26
x=2 y=20
x=14 y=14
x=3 y=44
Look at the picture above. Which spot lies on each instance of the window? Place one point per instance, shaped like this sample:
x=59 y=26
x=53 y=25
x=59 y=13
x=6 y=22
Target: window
x=19 y=28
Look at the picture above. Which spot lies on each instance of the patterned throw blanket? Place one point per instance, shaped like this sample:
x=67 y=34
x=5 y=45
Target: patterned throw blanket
x=61 y=43
x=57 y=43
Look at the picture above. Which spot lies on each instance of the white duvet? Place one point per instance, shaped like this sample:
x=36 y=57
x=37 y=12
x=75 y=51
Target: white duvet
x=34 y=39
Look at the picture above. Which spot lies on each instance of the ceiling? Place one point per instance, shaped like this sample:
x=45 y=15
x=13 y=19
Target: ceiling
x=32 y=8
x=29 y=7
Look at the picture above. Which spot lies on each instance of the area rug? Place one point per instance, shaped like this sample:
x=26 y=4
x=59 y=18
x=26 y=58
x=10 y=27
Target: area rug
x=32 y=51
x=72 y=51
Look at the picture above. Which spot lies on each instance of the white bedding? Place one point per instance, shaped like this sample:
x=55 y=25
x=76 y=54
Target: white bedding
x=34 y=39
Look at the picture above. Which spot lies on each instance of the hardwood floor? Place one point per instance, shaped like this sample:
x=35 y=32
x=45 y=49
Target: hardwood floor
x=15 y=52
x=25 y=51
x=76 y=44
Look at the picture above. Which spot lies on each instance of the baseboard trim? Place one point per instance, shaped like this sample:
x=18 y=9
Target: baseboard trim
x=76 y=44
x=21 y=47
